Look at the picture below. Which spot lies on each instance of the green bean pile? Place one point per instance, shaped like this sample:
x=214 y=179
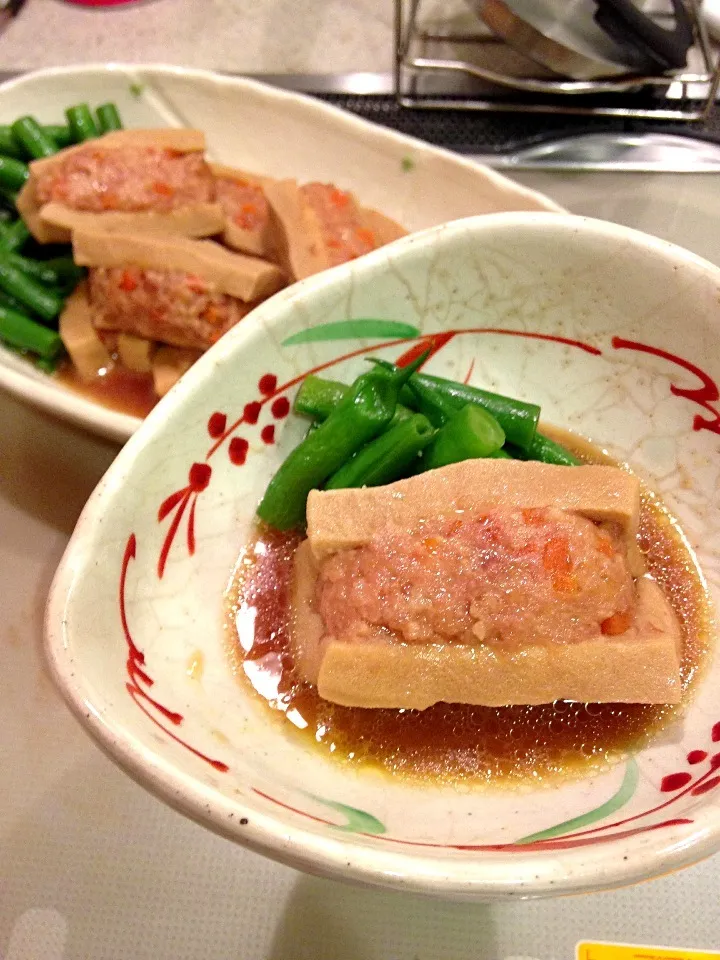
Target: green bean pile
x=35 y=281
x=394 y=422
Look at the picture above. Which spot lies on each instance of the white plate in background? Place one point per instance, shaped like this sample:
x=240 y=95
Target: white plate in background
x=263 y=129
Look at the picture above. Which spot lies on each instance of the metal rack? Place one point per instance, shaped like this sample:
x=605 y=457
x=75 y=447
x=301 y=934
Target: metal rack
x=438 y=67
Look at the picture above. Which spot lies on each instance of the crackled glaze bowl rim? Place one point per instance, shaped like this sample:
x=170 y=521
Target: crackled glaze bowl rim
x=606 y=865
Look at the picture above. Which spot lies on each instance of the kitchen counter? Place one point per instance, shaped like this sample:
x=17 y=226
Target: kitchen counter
x=244 y=36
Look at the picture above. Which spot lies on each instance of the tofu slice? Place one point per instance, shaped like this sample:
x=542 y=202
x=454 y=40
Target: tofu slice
x=247 y=278
x=195 y=220
x=296 y=231
x=343 y=519
x=135 y=352
x=168 y=365
x=640 y=666
x=87 y=351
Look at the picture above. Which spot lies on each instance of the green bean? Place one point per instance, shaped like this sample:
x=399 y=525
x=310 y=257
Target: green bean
x=7 y=301
x=361 y=415
x=436 y=406
x=9 y=146
x=81 y=123
x=28 y=132
x=59 y=133
x=108 y=118
x=9 y=199
x=548 y=451
x=13 y=173
x=45 y=303
x=471 y=433
x=14 y=236
x=47 y=364
x=59 y=272
x=25 y=334
x=317 y=398
x=517 y=418
x=386 y=458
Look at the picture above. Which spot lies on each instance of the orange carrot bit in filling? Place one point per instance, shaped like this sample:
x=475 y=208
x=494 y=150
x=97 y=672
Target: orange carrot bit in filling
x=617 y=624
x=604 y=545
x=432 y=543
x=365 y=236
x=128 y=282
x=339 y=198
x=196 y=284
x=556 y=555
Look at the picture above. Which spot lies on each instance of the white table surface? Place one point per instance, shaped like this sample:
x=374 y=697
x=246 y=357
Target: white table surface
x=248 y=36
x=92 y=867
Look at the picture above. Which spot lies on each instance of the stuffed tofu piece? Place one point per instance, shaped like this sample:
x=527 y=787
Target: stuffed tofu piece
x=490 y=582
x=170 y=289
x=317 y=226
x=245 y=208
x=127 y=179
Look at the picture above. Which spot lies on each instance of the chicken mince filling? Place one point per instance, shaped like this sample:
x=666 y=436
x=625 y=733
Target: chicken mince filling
x=127 y=179
x=243 y=202
x=507 y=577
x=345 y=236
x=169 y=306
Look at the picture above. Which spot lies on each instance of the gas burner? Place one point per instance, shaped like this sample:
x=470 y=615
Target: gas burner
x=446 y=57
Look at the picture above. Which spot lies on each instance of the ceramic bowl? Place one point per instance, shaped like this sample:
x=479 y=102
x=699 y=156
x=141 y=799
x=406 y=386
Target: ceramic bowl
x=616 y=335
x=418 y=184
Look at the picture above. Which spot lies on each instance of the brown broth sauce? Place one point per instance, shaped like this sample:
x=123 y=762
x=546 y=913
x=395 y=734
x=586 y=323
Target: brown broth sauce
x=459 y=742
x=118 y=389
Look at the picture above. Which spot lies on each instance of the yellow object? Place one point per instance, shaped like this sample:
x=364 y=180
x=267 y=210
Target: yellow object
x=627 y=951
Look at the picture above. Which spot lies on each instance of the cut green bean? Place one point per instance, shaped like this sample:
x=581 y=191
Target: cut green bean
x=437 y=398
x=364 y=412
x=387 y=458
x=59 y=133
x=47 y=364
x=434 y=404
x=13 y=173
x=25 y=334
x=59 y=272
x=45 y=303
x=34 y=140
x=108 y=118
x=81 y=123
x=517 y=418
x=471 y=433
x=317 y=398
x=7 y=301
x=9 y=146
x=9 y=199
x=548 y=451
x=14 y=236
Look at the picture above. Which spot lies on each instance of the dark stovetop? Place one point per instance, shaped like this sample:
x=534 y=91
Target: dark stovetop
x=469 y=131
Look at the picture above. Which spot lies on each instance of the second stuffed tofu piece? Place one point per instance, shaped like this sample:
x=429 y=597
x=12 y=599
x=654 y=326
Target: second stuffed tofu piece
x=182 y=292
x=247 y=213
x=318 y=226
